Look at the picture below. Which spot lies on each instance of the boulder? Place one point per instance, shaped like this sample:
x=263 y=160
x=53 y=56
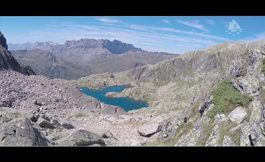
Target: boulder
x=44 y=123
x=82 y=138
x=238 y=115
x=148 y=130
x=19 y=132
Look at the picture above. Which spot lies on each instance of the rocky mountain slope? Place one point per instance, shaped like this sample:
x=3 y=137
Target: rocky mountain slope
x=122 y=62
x=217 y=93
x=46 y=64
x=208 y=97
x=38 y=111
x=35 y=110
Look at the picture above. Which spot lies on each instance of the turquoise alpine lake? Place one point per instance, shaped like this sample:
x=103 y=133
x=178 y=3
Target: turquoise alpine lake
x=126 y=103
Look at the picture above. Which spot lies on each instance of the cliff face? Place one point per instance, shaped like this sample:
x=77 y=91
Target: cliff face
x=7 y=61
x=3 y=41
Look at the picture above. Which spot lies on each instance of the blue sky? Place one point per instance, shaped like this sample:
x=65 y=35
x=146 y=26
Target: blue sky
x=173 y=34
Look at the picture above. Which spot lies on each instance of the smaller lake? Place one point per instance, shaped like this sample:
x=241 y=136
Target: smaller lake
x=125 y=103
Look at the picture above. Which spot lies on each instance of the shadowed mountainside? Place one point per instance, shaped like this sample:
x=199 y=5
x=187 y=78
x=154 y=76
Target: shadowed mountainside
x=46 y=64
x=7 y=61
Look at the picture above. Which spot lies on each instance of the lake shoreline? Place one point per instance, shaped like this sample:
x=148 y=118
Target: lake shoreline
x=125 y=103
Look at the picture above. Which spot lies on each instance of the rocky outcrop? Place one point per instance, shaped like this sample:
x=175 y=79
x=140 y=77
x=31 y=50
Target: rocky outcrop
x=19 y=132
x=248 y=84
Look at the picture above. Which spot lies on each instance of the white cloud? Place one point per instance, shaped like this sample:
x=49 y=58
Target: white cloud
x=108 y=20
x=226 y=24
x=211 y=22
x=256 y=37
x=194 y=24
x=148 y=28
x=138 y=27
x=166 y=21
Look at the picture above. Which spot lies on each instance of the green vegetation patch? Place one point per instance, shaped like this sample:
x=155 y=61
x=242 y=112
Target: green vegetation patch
x=226 y=98
x=82 y=115
x=263 y=66
x=207 y=130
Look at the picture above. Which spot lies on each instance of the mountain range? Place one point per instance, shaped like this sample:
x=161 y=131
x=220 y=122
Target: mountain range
x=82 y=50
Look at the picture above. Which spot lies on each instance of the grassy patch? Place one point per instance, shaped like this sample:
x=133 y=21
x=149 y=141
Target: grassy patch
x=226 y=98
x=263 y=66
x=183 y=129
x=248 y=115
x=17 y=114
x=236 y=137
x=262 y=92
x=167 y=142
x=224 y=130
x=193 y=109
x=82 y=115
x=207 y=130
